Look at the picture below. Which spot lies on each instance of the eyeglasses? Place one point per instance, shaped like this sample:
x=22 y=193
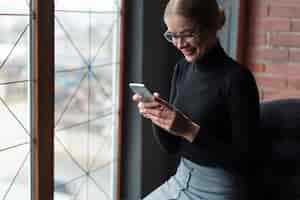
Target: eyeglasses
x=185 y=36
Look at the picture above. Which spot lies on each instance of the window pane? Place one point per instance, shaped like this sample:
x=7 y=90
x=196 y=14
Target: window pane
x=228 y=33
x=83 y=39
x=70 y=98
x=94 y=5
x=14 y=7
x=86 y=63
x=15 y=181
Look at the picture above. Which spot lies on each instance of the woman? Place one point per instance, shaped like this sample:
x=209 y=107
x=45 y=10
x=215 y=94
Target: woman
x=213 y=110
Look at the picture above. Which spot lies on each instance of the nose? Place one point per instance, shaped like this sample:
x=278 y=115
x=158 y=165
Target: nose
x=179 y=43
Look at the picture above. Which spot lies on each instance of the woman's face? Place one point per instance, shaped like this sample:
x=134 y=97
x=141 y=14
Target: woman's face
x=182 y=33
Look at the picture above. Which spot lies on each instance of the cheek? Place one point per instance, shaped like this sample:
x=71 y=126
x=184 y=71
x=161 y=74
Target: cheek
x=200 y=49
x=197 y=45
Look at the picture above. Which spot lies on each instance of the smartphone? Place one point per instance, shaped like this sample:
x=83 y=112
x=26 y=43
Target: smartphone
x=140 y=89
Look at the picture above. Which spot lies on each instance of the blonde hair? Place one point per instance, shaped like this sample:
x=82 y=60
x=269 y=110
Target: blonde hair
x=206 y=14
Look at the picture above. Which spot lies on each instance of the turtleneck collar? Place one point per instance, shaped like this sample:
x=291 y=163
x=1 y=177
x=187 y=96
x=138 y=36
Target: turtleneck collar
x=211 y=58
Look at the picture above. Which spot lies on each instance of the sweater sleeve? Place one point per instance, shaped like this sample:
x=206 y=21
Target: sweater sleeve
x=243 y=109
x=168 y=142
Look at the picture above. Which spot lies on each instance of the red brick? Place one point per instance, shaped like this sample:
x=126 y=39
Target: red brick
x=281 y=94
x=285 y=11
x=270 y=81
x=270 y=54
x=294 y=55
x=285 y=39
x=269 y=94
x=295 y=25
x=294 y=82
x=283 y=69
x=257 y=67
x=258 y=10
x=274 y=24
x=289 y=93
x=277 y=69
x=258 y=3
x=293 y=70
x=258 y=39
x=284 y=2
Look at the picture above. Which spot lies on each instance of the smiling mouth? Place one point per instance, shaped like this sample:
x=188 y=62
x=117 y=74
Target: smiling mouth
x=188 y=53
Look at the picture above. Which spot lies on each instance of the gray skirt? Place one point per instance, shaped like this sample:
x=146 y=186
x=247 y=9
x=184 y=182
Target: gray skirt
x=195 y=182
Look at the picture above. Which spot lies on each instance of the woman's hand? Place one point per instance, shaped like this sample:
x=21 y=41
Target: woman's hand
x=164 y=115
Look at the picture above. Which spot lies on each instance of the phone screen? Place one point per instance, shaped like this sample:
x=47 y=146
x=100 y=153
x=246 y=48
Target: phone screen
x=140 y=89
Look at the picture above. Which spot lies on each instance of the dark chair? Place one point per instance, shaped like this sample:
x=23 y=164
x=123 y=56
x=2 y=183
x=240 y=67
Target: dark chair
x=280 y=126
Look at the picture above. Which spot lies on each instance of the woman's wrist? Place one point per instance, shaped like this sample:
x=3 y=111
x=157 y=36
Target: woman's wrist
x=184 y=127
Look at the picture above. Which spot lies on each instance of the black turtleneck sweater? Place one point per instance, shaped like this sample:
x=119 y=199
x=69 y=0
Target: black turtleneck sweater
x=221 y=96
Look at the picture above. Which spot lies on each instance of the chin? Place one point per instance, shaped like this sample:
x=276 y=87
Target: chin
x=191 y=58
x=194 y=55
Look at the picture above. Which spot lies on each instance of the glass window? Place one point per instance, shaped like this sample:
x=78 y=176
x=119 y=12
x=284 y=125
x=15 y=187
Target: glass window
x=15 y=179
x=86 y=99
x=86 y=91
x=229 y=33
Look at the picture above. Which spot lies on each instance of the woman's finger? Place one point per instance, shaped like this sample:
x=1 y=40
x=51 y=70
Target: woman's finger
x=149 y=105
x=156 y=94
x=158 y=121
x=152 y=118
x=137 y=98
x=162 y=111
x=163 y=121
x=146 y=116
x=157 y=112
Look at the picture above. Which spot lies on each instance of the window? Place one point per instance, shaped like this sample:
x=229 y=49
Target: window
x=86 y=80
x=87 y=40
x=15 y=97
x=229 y=34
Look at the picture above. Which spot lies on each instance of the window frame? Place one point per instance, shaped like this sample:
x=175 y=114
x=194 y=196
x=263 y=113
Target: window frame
x=121 y=95
x=43 y=101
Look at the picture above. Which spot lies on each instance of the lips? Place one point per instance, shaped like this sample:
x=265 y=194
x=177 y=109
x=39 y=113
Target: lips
x=187 y=50
x=188 y=53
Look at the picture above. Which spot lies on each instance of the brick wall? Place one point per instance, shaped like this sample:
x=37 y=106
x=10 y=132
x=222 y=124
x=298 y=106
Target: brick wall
x=273 y=47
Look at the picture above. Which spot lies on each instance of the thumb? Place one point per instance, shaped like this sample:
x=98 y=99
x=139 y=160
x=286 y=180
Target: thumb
x=156 y=94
